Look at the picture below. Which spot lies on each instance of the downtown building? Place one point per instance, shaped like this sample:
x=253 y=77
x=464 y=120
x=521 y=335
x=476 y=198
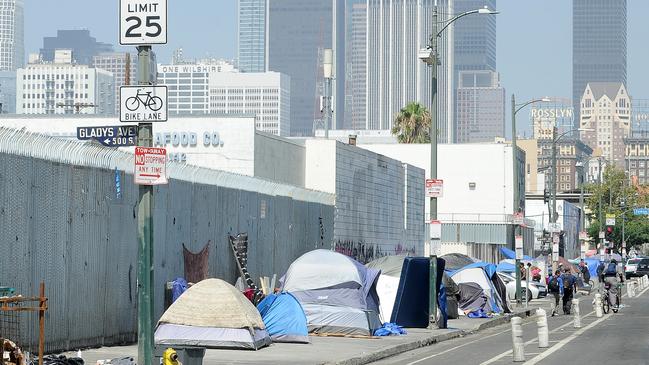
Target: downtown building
x=122 y=65
x=251 y=33
x=63 y=87
x=480 y=107
x=84 y=47
x=395 y=74
x=355 y=65
x=606 y=113
x=12 y=34
x=599 y=45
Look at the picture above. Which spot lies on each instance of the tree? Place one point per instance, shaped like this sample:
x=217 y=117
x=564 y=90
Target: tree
x=618 y=197
x=412 y=124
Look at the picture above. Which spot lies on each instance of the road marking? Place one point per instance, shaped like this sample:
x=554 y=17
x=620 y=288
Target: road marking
x=454 y=348
x=563 y=342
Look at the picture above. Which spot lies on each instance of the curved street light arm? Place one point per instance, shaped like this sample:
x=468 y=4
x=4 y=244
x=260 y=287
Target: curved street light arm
x=528 y=103
x=448 y=22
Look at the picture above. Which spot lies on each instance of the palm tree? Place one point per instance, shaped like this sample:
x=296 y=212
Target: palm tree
x=412 y=124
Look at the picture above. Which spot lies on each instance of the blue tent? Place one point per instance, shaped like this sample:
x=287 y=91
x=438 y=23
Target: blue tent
x=284 y=318
x=510 y=254
x=505 y=267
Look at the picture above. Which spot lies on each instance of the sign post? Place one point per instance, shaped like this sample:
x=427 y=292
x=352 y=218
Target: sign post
x=142 y=23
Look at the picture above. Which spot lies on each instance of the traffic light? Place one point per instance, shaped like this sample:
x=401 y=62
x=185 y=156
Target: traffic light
x=608 y=233
x=546 y=195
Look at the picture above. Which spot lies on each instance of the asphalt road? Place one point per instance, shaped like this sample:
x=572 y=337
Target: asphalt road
x=621 y=338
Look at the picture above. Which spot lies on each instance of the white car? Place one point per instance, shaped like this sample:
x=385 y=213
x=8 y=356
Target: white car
x=536 y=290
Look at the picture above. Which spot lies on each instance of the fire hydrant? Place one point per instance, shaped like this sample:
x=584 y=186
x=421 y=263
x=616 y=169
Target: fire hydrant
x=170 y=357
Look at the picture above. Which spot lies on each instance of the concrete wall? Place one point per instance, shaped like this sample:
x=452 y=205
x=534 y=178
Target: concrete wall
x=64 y=221
x=279 y=159
x=378 y=206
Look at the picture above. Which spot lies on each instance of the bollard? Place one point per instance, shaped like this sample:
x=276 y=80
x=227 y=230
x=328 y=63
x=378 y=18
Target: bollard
x=598 y=305
x=630 y=288
x=542 y=322
x=518 y=347
x=575 y=311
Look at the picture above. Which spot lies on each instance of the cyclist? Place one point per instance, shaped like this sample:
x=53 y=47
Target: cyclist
x=613 y=276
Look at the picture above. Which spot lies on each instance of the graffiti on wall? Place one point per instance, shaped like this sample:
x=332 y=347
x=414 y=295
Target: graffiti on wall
x=366 y=252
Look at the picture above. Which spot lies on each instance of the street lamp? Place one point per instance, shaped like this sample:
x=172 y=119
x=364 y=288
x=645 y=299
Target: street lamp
x=430 y=56
x=517 y=199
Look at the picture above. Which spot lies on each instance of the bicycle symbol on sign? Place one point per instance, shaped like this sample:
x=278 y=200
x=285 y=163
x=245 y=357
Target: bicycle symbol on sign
x=151 y=102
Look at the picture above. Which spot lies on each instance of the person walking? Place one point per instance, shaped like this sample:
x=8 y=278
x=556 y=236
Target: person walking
x=555 y=287
x=569 y=288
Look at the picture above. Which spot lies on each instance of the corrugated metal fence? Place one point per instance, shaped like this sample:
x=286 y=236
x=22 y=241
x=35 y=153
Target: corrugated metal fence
x=64 y=221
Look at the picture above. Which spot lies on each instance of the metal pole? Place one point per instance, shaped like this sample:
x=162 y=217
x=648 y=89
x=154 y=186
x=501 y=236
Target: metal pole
x=42 y=305
x=601 y=224
x=327 y=115
x=432 y=300
x=553 y=190
x=145 y=232
x=515 y=202
x=582 y=215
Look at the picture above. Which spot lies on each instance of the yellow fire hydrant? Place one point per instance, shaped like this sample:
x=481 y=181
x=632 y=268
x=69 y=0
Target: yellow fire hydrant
x=170 y=357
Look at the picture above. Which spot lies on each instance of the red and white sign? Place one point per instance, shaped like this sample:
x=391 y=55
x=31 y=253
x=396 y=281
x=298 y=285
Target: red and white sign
x=434 y=188
x=435 y=230
x=150 y=166
x=583 y=235
x=519 y=219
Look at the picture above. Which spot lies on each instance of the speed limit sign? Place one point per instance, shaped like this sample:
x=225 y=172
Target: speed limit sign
x=142 y=22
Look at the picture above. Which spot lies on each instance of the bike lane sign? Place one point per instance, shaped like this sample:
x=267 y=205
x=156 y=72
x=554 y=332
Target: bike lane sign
x=143 y=104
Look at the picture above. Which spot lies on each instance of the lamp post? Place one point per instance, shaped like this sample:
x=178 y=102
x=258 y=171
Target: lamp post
x=516 y=202
x=430 y=56
x=553 y=187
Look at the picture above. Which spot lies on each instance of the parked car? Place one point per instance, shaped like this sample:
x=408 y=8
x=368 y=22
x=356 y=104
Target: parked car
x=631 y=267
x=536 y=289
x=643 y=267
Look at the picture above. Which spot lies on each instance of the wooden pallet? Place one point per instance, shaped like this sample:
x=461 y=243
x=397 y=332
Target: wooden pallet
x=367 y=337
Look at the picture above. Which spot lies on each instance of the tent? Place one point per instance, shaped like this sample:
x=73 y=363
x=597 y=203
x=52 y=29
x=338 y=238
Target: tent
x=510 y=254
x=337 y=293
x=284 y=318
x=455 y=261
x=505 y=266
x=212 y=314
x=483 y=275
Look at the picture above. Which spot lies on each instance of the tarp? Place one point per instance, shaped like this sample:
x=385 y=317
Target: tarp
x=337 y=293
x=505 y=267
x=212 y=314
x=455 y=261
x=284 y=318
x=510 y=254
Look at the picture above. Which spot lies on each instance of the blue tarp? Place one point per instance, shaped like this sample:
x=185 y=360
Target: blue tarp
x=178 y=287
x=592 y=268
x=510 y=254
x=284 y=318
x=489 y=269
x=506 y=267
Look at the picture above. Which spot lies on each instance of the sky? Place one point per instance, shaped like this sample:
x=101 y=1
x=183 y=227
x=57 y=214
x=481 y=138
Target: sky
x=534 y=38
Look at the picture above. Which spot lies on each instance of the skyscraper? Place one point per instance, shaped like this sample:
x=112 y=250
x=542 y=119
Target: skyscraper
x=395 y=75
x=122 y=65
x=474 y=44
x=598 y=45
x=83 y=46
x=252 y=35
x=480 y=107
x=355 y=64
x=297 y=33
x=12 y=49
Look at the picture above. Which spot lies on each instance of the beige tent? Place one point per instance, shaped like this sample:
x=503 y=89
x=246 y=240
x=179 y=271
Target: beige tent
x=212 y=314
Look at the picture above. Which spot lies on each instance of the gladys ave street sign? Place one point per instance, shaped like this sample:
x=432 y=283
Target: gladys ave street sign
x=142 y=22
x=110 y=136
x=143 y=104
x=150 y=166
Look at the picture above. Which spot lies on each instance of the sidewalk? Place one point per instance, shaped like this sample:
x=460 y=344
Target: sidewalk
x=332 y=350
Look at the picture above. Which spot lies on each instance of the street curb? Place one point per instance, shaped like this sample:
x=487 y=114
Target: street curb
x=366 y=358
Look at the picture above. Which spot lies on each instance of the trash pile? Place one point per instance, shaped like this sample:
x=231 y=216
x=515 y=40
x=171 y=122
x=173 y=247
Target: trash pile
x=12 y=354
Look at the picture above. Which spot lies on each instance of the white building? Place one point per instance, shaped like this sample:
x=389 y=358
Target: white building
x=122 y=65
x=63 y=87
x=12 y=49
x=265 y=95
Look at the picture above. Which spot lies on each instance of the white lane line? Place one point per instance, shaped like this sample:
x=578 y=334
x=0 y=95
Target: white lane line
x=563 y=342
x=465 y=344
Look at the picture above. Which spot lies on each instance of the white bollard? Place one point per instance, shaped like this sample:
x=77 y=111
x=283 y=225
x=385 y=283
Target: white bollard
x=518 y=347
x=597 y=303
x=575 y=311
x=542 y=322
x=630 y=288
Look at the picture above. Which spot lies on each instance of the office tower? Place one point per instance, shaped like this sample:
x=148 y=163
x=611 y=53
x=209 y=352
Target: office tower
x=474 y=43
x=122 y=65
x=598 y=45
x=83 y=46
x=63 y=87
x=263 y=94
x=606 y=112
x=297 y=33
x=355 y=64
x=7 y=92
x=12 y=35
x=480 y=107
x=395 y=75
x=251 y=35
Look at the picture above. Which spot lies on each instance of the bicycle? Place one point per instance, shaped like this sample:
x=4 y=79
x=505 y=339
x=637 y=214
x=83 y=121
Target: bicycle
x=151 y=102
x=606 y=300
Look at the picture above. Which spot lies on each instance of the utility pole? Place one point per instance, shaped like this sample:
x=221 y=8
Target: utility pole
x=328 y=76
x=432 y=290
x=553 y=190
x=145 y=229
x=515 y=201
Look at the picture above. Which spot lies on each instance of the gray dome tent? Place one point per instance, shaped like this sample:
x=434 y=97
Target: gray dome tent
x=337 y=293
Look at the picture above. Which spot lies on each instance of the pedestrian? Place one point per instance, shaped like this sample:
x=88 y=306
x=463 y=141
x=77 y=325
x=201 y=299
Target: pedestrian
x=600 y=271
x=536 y=273
x=569 y=287
x=521 y=267
x=555 y=287
x=585 y=273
